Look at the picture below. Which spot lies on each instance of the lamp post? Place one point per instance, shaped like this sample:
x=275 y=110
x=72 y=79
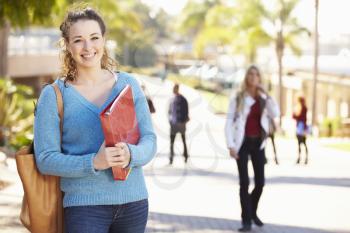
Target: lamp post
x=316 y=48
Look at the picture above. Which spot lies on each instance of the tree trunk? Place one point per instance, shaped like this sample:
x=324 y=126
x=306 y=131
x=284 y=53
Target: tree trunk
x=314 y=91
x=4 y=35
x=252 y=56
x=279 y=52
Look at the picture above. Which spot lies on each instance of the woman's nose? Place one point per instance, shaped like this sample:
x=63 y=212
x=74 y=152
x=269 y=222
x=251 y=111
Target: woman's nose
x=87 y=45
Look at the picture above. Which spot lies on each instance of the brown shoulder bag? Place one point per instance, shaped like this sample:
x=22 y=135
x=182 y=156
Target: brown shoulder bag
x=42 y=208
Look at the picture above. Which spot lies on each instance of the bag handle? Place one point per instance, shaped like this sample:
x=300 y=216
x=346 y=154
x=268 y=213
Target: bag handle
x=59 y=100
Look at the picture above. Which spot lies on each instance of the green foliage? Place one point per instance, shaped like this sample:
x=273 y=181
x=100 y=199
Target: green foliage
x=141 y=54
x=240 y=25
x=16 y=114
x=120 y=19
x=24 y=12
x=330 y=126
x=340 y=146
x=282 y=20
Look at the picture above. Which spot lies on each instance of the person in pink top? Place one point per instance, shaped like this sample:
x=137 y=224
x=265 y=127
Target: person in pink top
x=300 y=117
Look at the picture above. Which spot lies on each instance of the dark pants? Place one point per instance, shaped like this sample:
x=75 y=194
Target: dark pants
x=174 y=129
x=249 y=202
x=302 y=140
x=126 y=218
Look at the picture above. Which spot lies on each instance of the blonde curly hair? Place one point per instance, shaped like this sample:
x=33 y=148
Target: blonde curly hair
x=69 y=69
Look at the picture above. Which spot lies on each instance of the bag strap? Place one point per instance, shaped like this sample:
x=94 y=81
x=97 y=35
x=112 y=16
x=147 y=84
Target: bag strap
x=59 y=100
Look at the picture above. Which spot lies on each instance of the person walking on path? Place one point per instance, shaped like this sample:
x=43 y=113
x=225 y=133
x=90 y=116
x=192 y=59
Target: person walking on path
x=300 y=116
x=178 y=118
x=93 y=201
x=246 y=130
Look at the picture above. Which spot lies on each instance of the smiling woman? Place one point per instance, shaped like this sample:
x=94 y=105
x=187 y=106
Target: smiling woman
x=93 y=201
x=84 y=43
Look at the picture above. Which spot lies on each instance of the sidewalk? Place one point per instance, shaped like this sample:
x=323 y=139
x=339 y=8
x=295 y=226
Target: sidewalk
x=10 y=199
x=202 y=196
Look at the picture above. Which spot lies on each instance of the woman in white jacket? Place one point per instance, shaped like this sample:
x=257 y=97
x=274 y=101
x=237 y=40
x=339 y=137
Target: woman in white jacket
x=246 y=130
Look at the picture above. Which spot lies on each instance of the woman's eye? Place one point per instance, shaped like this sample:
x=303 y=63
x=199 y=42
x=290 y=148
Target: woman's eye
x=95 y=38
x=77 y=41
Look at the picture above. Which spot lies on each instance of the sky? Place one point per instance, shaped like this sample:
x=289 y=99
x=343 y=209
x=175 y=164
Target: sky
x=334 y=16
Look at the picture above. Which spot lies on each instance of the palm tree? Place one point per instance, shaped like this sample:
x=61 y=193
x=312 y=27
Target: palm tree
x=314 y=91
x=216 y=23
x=287 y=29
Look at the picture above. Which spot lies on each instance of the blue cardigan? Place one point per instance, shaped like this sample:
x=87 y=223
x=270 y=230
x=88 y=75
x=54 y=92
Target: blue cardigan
x=82 y=138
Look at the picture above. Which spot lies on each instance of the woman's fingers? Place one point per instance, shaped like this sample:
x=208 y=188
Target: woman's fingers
x=118 y=155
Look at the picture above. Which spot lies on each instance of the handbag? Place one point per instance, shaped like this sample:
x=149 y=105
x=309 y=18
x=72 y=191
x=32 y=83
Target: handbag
x=42 y=208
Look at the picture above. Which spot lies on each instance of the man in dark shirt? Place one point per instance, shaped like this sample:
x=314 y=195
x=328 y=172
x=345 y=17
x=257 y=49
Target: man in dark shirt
x=178 y=117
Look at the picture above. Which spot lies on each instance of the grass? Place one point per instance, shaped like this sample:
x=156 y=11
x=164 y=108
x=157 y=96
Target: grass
x=340 y=146
x=218 y=102
x=188 y=80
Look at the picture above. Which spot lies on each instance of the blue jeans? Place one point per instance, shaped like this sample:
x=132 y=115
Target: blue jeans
x=126 y=218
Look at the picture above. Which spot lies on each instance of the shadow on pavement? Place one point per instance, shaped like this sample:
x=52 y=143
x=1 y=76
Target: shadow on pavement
x=334 y=182
x=191 y=170
x=160 y=222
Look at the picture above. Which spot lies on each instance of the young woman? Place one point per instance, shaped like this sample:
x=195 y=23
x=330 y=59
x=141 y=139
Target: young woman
x=300 y=117
x=93 y=201
x=246 y=130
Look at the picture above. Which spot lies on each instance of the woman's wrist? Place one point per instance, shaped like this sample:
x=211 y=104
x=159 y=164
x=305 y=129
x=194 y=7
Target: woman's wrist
x=97 y=163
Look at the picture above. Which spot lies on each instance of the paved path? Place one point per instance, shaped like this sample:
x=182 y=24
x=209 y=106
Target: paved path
x=202 y=196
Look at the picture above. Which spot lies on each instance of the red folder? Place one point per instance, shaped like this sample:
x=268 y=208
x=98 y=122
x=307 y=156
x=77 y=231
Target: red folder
x=119 y=124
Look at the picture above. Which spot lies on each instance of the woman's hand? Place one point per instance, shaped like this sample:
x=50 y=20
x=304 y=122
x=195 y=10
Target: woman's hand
x=107 y=157
x=233 y=154
x=124 y=156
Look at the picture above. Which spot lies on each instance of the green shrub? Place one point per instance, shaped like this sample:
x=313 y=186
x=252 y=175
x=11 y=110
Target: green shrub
x=16 y=114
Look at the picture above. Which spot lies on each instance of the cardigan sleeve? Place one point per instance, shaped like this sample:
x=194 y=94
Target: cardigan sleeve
x=47 y=145
x=229 y=123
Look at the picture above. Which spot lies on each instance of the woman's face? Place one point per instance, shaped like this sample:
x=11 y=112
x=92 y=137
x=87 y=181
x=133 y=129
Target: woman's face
x=253 y=79
x=86 y=43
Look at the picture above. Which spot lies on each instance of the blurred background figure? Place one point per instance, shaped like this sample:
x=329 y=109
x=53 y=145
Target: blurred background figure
x=165 y=71
x=300 y=115
x=150 y=103
x=178 y=118
x=246 y=129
